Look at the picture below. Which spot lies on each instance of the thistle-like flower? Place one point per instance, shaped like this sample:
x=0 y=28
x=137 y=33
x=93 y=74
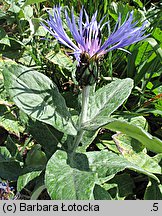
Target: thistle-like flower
x=87 y=43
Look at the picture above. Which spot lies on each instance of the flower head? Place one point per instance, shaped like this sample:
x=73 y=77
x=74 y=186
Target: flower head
x=87 y=35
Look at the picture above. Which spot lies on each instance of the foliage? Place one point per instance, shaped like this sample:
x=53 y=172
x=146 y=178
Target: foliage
x=120 y=154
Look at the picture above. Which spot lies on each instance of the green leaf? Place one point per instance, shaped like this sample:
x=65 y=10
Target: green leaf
x=147 y=67
x=47 y=136
x=100 y=193
x=4 y=154
x=140 y=4
x=106 y=163
x=124 y=183
x=144 y=52
x=5 y=41
x=157 y=33
x=13 y=149
x=87 y=139
x=60 y=59
x=3 y=135
x=118 y=7
x=97 y=123
x=107 y=99
x=152 y=143
x=35 y=27
x=120 y=187
x=9 y=169
x=131 y=68
x=9 y=121
x=25 y=179
x=134 y=152
x=29 y=2
x=65 y=182
x=28 y=13
x=37 y=96
x=14 y=8
x=153 y=191
x=4 y=37
x=139 y=121
x=156 y=47
x=39 y=30
x=36 y=158
x=37 y=192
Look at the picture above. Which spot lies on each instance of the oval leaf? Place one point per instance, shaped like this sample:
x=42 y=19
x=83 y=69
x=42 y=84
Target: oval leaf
x=66 y=183
x=38 y=96
x=107 y=99
x=107 y=163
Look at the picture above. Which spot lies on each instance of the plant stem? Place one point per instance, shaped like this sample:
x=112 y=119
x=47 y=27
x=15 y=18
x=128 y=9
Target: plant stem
x=85 y=101
x=83 y=116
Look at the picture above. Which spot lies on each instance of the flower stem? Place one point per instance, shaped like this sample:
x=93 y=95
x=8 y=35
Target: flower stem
x=83 y=116
x=85 y=101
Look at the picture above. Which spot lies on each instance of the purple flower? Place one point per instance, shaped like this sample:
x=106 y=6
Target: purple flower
x=5 y=191
x=87 y=38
